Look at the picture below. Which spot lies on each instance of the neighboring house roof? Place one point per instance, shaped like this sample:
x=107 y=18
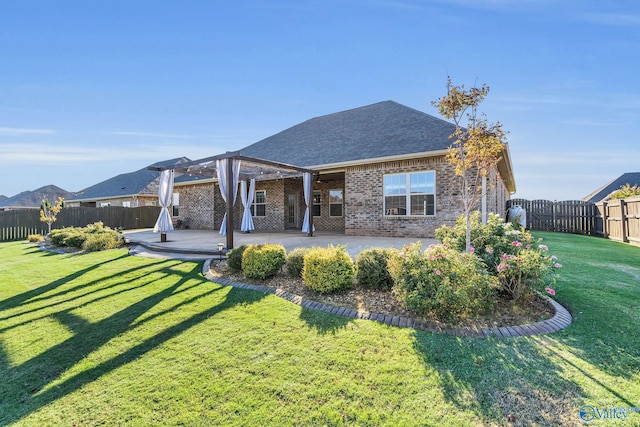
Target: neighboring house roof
x=33 y=199
x=3 y=197
x=143 y=181
x=601 y=194
x=380 y=131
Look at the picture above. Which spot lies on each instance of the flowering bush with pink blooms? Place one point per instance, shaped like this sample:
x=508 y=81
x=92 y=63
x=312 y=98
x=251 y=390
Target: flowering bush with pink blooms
x=442 y=281
x=520 y=262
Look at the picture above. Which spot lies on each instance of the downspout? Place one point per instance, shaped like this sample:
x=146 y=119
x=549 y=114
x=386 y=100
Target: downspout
x=484 y=199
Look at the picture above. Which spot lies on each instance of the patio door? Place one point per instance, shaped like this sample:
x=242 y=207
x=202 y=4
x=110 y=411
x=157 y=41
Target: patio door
x=293 y=212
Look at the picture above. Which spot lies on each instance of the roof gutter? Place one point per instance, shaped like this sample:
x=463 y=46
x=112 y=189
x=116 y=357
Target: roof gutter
x=508 y=176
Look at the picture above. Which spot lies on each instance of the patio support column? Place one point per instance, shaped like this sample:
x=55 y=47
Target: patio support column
x=310 y=233
x=307 y=189
x=230 y=200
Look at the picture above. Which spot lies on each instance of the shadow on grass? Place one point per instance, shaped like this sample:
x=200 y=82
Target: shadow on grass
x=501 y=379
x=128 y=283
x=28 y=387
x=322 y=322
x=599 y=284
x=19 y=299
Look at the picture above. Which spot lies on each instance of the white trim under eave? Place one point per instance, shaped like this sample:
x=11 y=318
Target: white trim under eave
x=373 y=160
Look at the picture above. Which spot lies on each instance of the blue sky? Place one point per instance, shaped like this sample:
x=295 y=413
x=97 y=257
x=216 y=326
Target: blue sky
x=92 y=89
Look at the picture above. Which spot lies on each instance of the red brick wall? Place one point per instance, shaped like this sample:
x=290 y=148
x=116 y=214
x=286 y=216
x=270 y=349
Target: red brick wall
x=364 y=199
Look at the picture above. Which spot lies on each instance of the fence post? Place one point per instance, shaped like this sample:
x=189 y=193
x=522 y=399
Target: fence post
x=623 y=219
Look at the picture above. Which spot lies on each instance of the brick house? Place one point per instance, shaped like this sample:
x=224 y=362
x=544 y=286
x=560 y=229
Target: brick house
x=380 y=170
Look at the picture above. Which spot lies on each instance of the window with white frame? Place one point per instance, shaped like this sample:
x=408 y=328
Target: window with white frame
x=317 y=203
x=105 y=204
x=259 y=206
x=149 y=202
x=410 y=194
x=335 y=202
x=175 y=204
x=126 y=204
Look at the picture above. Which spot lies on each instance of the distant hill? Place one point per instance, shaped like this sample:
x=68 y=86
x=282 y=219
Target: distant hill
x=33 y=199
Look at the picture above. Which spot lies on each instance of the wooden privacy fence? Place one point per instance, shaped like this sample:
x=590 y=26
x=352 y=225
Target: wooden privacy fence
x=18 y=224
x=614 y=219
x=621 y=219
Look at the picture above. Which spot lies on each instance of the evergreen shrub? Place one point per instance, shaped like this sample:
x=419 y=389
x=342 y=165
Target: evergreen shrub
x=328 y=269
x=262 y=261
x=371 y=268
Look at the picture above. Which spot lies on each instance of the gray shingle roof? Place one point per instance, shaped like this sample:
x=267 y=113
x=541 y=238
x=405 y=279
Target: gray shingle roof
x=139 y=182
x=631 y=178
x=378 y=130
x=33 y=199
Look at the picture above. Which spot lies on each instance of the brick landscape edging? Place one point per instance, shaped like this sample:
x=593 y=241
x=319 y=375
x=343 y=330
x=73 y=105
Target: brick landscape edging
x=560 y=320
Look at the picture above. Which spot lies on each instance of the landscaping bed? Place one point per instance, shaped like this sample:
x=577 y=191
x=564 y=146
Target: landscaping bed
x=506 y=313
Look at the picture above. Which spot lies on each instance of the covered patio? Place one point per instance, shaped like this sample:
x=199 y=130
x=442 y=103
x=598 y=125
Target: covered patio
x=202 y=244
x=232 y=169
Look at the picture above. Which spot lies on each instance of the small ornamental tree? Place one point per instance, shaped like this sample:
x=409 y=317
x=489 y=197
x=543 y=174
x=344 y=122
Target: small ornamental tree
x=476 y=148
x=48 y=212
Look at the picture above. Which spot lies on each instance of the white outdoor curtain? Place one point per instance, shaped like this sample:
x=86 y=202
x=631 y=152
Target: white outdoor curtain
x=306 y=185
x=223 y=181
x=247 y=201
x=165 y=191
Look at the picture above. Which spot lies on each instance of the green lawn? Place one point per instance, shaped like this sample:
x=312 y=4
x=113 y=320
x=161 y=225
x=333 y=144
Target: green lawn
x=110 y=339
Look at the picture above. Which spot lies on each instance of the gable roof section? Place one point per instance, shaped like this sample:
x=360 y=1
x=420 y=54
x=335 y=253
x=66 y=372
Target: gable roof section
x=33 y=199
x=631 y=178
x=376 y=132
x=384 y=129
x=142 y=181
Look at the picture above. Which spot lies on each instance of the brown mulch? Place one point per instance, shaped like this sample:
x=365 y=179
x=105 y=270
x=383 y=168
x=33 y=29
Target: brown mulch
x=359 y=298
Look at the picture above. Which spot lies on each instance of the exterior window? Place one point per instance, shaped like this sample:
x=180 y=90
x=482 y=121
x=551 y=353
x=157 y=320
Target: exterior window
x=176 y=204
x=150 y=203
x=126 y=204
x=259 y=206
x=410 y=194
x=105 y=204
x=317 y=203
x=335 y=202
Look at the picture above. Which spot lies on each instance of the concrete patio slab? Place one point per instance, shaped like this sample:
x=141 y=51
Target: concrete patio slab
x=202 y=244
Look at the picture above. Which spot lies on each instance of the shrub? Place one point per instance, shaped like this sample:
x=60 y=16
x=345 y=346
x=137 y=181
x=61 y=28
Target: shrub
x=75 y=239
x=96 y=227
x=35 y=238
x=57 y=236
x=295 y=261
x=371 y=268
x=234 y=258
x=531 y=268
x=443 y=282
x=99 y=237
x=328 y=269
x=262 y=261
x=509 y=253
x=107 y=239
